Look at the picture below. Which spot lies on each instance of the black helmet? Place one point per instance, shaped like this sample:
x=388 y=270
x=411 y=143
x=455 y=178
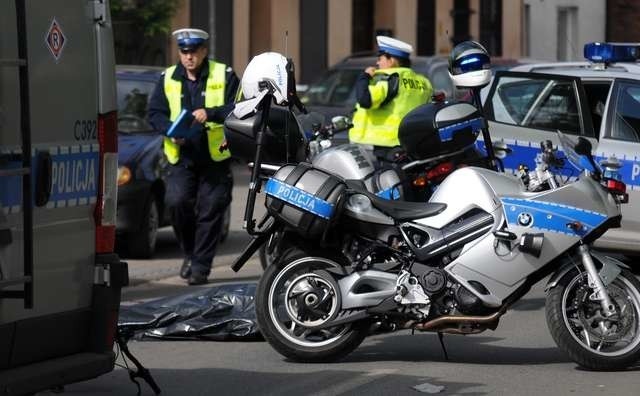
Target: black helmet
x=469 y=65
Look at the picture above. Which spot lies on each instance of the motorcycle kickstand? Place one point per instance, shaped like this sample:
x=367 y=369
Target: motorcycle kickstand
x=141 y=371
x=441 y=339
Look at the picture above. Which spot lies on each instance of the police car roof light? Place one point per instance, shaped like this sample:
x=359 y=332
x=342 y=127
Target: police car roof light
x=611 y=52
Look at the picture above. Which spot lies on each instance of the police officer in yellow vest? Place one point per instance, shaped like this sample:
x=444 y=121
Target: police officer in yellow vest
x=387 y=94
x=199 y=181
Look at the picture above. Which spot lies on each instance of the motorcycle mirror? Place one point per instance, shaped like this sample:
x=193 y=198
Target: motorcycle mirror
x=583 y=147
x=501 y=149
x=340 y=123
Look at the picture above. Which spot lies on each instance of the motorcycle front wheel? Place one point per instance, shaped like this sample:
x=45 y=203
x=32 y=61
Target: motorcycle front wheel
x=295 y=299
x=579 y=327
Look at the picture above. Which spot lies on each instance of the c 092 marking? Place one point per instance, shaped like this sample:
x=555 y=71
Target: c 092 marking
x=84 y=130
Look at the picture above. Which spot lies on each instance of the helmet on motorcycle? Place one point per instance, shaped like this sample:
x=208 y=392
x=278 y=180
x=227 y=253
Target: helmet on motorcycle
x=269 y=68
x=469 y=65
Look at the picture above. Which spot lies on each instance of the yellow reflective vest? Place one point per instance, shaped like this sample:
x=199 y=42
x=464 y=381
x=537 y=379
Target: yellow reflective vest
x=378 y=125
x=214 y=96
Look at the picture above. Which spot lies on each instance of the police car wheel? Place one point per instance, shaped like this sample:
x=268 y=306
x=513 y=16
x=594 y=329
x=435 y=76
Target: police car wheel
x=142 y=244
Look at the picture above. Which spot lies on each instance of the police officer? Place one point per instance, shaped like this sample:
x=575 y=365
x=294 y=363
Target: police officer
x=387 y=94
x=199 y=179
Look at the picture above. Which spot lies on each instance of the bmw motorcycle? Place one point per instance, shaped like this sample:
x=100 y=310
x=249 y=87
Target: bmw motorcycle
x=409 y=173
x=355 y=262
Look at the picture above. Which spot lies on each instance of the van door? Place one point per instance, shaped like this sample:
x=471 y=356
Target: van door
x=15 y=172
x=51 y=133
x=524 y=109
x=621 y=138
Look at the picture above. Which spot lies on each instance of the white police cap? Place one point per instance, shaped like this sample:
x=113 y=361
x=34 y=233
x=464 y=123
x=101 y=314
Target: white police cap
x=393 y=47
x=190 y=38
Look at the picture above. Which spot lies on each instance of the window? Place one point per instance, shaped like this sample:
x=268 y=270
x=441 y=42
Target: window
x=597 y=94
x=440 y=81
x=567 y=33
x=335 y=89
x=540 y=103
x=626 y=113
x=133 y=104
x=526 y=31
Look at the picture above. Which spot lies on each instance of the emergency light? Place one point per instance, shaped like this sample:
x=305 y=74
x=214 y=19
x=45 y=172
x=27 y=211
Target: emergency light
x=611 y=52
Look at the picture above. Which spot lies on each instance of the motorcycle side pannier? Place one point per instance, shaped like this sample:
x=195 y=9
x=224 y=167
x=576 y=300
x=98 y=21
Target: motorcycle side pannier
x=439 y=128
x=305 y=198
x=241 y=135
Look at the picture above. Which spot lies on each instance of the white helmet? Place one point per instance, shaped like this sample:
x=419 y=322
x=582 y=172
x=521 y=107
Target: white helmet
x=267 y=67
x=469 y=65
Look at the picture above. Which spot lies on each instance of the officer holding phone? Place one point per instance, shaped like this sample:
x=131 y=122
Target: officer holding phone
x=199 y=181
x=386 y=94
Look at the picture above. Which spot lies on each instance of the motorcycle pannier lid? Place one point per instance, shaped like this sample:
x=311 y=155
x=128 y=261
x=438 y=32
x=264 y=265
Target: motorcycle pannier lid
x=241 y=135
x=305 y=198
x=439 y=128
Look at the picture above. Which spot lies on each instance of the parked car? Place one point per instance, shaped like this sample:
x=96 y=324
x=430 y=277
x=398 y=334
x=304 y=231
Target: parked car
x=334 y=93
x=141 y=165
x=597 y=99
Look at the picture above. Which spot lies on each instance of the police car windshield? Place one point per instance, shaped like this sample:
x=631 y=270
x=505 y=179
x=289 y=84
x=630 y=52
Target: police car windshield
x=133 y=104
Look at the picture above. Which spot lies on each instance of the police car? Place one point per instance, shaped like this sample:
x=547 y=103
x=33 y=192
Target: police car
x=598 y=99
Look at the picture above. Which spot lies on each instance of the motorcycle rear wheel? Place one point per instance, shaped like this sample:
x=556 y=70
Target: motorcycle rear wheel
x=579 y=328
x=293 y=329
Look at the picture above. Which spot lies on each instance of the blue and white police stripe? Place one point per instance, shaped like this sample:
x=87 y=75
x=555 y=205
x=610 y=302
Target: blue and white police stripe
x=549 y=216
x=74 y=178
x=299 y=198
x=524 y=152
x=448 y=132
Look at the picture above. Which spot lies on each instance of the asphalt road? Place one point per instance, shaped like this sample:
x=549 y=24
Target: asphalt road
x=519 y=358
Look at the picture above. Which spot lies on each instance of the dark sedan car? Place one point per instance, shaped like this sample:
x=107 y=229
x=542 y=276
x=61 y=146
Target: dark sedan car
x=141 y=165
x=334 y=93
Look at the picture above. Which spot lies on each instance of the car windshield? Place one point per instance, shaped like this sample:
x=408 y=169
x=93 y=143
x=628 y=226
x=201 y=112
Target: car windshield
x=133 y=104
x=334 y=89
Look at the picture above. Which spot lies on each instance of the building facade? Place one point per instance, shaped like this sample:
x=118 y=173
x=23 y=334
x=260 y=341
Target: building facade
x=319 y=33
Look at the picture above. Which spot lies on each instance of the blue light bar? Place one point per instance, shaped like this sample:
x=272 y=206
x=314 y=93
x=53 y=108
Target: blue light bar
x=611 y=52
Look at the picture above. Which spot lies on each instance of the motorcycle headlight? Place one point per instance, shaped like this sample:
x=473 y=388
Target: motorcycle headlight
x=124 y=175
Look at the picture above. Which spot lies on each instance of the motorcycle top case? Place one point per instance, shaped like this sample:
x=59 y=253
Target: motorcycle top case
x=439 y=128
x=305 y=198
x=241 y=136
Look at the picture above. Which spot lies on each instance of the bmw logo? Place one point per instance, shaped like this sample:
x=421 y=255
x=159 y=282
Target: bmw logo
x=525 y=219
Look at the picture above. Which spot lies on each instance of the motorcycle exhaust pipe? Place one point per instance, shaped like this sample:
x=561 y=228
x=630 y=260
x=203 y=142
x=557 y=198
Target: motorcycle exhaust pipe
x=435 y=324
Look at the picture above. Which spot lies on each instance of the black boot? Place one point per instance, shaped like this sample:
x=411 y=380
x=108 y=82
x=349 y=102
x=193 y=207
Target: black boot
x=197 y=279
x=185 y=270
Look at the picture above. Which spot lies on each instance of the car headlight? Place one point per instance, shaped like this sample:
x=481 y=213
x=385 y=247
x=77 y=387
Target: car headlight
x=124 y=175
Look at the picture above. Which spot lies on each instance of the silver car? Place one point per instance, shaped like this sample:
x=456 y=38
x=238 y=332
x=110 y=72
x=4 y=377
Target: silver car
x=598 y=99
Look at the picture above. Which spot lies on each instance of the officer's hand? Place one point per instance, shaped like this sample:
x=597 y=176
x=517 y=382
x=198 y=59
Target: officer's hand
x=370 y=70
x=178 y=141
x=200 y=115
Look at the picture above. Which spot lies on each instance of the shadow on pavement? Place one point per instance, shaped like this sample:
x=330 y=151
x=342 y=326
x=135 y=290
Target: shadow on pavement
x=217 y=381
x=469 y=350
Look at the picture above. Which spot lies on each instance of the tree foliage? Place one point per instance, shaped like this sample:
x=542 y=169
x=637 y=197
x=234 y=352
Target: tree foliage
x=151 y=17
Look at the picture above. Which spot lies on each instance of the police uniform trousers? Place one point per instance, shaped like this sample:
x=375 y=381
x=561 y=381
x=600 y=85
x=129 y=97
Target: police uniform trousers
x=196 y=198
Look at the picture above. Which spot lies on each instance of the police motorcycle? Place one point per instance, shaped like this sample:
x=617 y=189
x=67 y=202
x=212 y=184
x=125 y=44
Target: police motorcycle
x=455 y=264
x=406 y=174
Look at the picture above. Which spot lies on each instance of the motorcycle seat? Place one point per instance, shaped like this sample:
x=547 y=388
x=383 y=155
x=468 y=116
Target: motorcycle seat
x=398 y=210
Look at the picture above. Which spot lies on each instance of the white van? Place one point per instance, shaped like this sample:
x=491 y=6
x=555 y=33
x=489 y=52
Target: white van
x=59 y=278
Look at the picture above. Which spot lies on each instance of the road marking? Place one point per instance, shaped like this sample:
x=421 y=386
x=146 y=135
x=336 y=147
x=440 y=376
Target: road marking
x=355 y=382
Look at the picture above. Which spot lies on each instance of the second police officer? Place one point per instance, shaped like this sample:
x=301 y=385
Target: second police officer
x=386 y=94
x=199 y=180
